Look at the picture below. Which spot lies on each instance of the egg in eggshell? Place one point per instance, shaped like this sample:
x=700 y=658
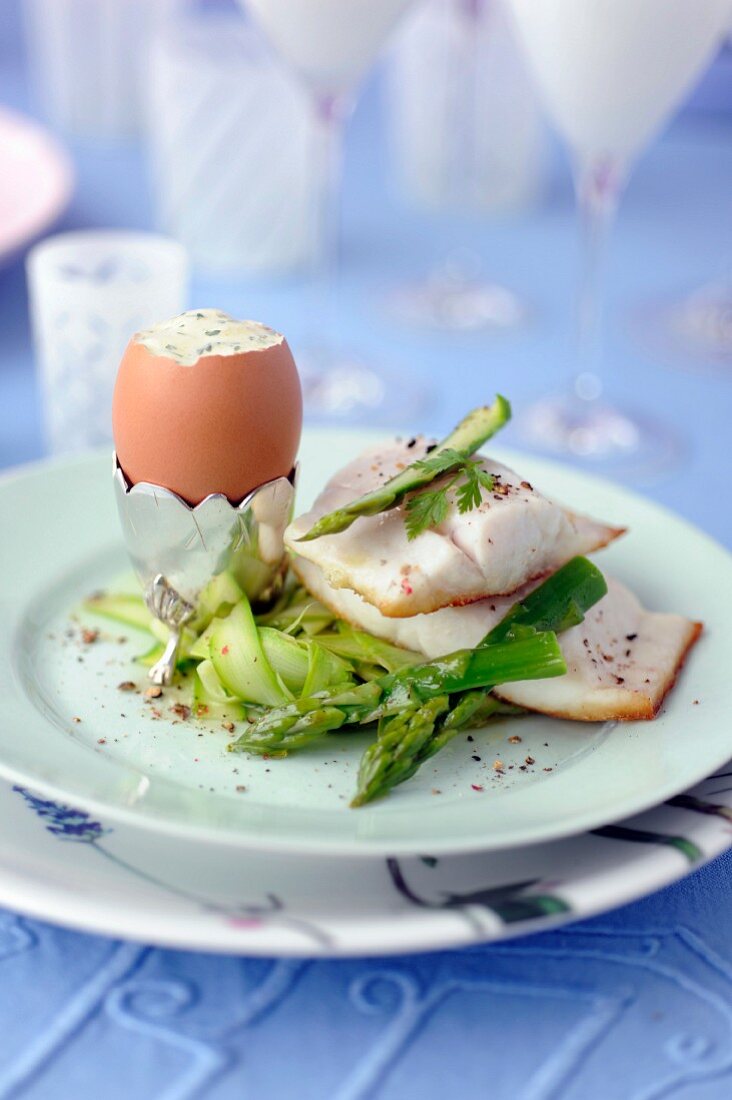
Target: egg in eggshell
x=205 y=404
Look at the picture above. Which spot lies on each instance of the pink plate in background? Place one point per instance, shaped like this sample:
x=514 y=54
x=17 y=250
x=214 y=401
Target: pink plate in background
x=35 y=182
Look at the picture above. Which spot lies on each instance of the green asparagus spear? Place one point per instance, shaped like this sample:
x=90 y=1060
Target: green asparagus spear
x=470 y=434
x=295 y=733
x=557 y=604
x=407 y=740
x=398 y=751
x=471 y=668
x=529 y=658
x=470 y=709
x=560 y=602
x=417 y=734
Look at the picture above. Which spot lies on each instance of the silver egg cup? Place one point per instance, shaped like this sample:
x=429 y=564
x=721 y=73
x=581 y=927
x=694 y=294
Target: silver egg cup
x=177 y=549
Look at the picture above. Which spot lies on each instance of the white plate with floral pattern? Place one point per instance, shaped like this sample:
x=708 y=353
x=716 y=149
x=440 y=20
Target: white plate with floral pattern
x=64 y=865
x=68 y=732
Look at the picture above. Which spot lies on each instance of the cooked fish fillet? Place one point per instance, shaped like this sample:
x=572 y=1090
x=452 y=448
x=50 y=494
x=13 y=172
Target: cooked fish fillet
x=514 y=536
x=621 y=661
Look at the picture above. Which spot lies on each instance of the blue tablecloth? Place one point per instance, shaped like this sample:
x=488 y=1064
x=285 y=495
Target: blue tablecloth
x=614 y=1026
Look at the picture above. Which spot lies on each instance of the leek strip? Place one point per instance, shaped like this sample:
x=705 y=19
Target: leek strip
x=210 y=700
x=122 y=608
x=559 y=603
x=357 y=645
x=240 y=662
x=287 y=657
x=216 y=600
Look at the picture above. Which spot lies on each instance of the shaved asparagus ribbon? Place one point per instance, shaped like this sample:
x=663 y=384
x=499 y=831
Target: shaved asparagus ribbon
x=296 y=649
x=470 y=434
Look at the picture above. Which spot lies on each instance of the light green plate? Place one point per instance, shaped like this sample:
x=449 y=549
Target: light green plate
x=66 y=730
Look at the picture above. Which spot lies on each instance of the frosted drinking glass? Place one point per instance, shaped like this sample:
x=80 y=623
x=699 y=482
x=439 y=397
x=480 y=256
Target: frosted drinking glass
x=89 y=292
x=230 y=142
x=87 y=60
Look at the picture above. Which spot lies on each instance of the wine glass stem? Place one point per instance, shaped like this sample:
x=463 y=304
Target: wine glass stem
x=330 y=114
x=598 y=186
x=462 y=99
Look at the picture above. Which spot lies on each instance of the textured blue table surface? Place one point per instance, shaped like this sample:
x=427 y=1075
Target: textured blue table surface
x=633 y=1006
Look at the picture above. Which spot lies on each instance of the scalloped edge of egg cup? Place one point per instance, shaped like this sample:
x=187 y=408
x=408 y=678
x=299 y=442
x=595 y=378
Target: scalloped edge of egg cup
x=177 y=548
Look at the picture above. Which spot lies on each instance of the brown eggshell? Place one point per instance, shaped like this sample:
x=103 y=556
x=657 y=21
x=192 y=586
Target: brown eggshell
x=225 y=424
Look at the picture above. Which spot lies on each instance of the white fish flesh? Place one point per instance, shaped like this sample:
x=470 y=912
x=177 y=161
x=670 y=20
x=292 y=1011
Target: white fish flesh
x=516 y=535
x=621 y=661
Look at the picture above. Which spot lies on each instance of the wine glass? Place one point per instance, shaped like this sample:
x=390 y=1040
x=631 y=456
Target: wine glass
x=610 y=73
x=467 y=140
x=697 y=326
x=329 y=45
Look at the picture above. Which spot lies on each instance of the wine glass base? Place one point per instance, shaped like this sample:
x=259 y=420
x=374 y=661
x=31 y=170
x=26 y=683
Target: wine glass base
x=458 y=304
x=691 y=332
x=596 y=433
x=343 y=389
x=702 y=322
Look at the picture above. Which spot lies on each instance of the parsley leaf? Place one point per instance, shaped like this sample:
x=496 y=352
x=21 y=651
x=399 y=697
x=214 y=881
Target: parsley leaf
x=427 y=509
x=430 y=508
x=468 y=494
x=440 y=462
x=486 y=480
